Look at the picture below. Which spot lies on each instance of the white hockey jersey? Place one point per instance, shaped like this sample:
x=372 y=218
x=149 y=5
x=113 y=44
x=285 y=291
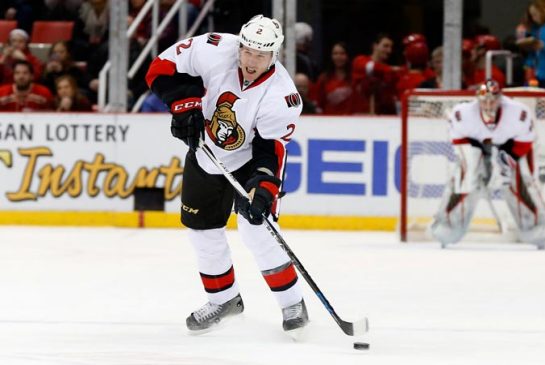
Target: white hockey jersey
x=514 y=122
x=233 y=113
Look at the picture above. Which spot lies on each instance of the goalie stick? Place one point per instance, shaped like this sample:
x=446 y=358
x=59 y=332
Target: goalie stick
x=349 y=328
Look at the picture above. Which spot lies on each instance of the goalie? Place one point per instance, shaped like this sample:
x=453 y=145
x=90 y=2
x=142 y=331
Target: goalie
x=492 y=139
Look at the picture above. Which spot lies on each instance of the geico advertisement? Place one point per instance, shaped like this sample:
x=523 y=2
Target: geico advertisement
x=50 y=161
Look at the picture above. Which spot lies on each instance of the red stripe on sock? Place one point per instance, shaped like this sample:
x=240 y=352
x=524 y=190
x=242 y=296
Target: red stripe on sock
x=218 y=282
x=282 y=278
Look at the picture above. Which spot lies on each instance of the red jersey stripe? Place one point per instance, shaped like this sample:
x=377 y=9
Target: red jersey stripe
x=159 y=67
x=460 y=141
x=521 y=148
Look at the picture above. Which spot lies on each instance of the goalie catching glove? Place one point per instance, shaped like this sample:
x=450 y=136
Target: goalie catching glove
x=187 y=121
x=263 y=190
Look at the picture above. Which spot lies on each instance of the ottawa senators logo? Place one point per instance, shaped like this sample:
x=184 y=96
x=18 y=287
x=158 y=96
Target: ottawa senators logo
x=293 y=100
x=213 y=39
x=223 y=129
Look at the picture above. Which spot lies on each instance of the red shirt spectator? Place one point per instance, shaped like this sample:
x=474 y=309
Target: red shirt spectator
x=334 y=87
x=374 y=81
x=417 y=71
x=24 y=95
x=479 y=76
x=484 y=43
x=17 y=49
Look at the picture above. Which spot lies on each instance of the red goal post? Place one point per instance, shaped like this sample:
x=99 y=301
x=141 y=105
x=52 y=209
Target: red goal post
x=427 y=156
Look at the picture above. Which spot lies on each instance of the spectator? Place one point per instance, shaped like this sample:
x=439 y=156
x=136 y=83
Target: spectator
x=62 y=10
x=60 y=63
x=24 y=95
x=302 y=83
x=137 y=85
x=334 y=87
x=483 y=44
x=435 y=82
x=68 y=98
x=416 y=58
x=468 y=66
x=153 y=104
x=15 y=50
x=91 y=28
x=304 y=62
x=143 y=31
x=23 y=11
x=518 y=75
x=170 y=33
x=528 y=33
x=374 y=80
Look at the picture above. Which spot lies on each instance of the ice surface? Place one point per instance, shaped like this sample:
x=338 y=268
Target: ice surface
x=120 y=296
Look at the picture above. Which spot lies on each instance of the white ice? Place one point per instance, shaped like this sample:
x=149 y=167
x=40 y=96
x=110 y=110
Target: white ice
x=120 y=297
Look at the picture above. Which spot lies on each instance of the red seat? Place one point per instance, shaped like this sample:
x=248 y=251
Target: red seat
x=6 y=26
x=51 y=31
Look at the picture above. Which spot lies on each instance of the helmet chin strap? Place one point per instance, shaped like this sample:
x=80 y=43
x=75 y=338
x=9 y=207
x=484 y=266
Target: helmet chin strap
x=273 y=60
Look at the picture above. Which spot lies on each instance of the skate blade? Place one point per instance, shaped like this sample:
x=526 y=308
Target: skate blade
x=298 y=334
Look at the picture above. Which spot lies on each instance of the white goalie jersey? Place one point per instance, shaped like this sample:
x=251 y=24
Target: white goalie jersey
x=514 y=123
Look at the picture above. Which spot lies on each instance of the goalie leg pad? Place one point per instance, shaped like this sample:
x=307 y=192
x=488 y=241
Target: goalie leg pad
x=450 y=224
x=470 y=169
x=460 y=198
x=526 y=205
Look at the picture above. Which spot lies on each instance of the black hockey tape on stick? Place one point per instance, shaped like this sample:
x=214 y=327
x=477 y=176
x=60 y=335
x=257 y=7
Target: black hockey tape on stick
x=349 y=328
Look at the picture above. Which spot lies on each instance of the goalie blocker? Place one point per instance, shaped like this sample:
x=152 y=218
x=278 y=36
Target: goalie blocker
x=493 y=153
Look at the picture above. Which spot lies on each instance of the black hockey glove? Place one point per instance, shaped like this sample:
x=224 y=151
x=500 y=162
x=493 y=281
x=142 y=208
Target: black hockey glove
x=263 y=189
x=188 y=122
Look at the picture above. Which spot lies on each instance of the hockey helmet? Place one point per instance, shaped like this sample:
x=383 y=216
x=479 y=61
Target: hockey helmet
x=417 y=54
x=263 y=34
x=414 y=38
x=489 y=96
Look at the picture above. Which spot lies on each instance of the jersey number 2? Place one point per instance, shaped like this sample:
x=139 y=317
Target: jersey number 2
x=291 y=129
x=181 y=46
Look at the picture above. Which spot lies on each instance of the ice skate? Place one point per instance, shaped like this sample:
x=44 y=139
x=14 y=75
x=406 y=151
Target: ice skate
x=295 y=319
x=210 y=314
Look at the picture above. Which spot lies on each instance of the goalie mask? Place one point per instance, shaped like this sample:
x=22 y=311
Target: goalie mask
x=262 y=34
x=489 y=96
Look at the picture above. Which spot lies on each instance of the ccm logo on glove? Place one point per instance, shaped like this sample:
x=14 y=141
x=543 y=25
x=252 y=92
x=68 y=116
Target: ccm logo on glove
x=184 y=105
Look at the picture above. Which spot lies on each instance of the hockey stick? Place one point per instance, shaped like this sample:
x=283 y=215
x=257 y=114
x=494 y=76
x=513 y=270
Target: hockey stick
x=349 y=328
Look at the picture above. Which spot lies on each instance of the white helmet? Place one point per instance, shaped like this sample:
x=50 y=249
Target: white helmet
x=263 y=34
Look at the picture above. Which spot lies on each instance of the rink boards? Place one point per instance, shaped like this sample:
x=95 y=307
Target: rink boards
x=83 y=169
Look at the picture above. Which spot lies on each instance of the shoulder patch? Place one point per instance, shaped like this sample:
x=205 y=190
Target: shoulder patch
x=214 y=39
x=293 y=100
x=523 y=115
x=458 y=116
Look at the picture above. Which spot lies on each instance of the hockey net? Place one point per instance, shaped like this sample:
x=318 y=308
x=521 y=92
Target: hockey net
x=427 y=161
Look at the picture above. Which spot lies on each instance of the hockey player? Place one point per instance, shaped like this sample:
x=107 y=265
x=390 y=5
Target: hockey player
x=492 y=137
x=233 y=92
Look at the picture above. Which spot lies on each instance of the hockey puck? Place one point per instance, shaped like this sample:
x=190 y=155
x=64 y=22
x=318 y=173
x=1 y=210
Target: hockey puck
x=361 y=346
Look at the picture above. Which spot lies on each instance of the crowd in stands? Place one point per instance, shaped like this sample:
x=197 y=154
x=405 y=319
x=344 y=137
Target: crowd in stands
x=66 y=77
x=369 y=84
